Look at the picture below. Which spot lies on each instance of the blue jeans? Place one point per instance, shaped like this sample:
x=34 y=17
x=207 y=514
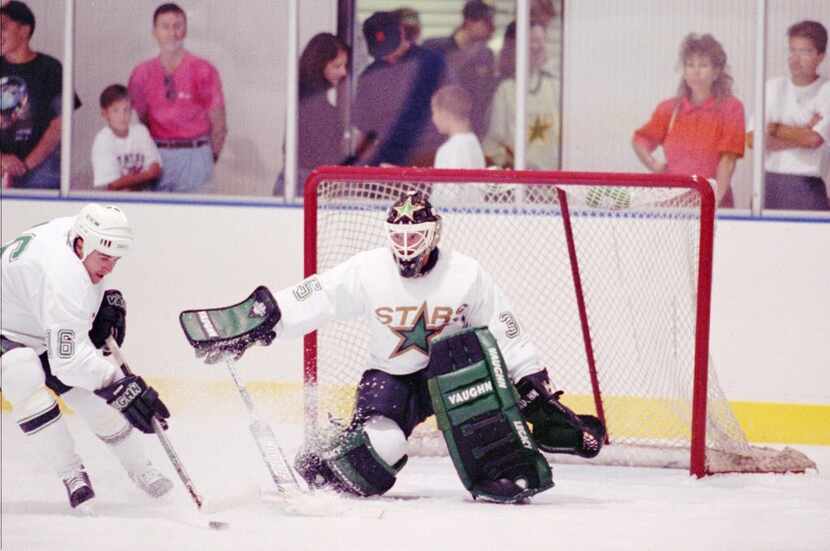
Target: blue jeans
x=794 y=192
x=185 y=170
x=46 y=175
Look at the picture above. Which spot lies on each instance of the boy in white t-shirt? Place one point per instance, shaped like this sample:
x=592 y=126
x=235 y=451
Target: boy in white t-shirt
x=124 y=156
x=451 y=106
x=798 y=125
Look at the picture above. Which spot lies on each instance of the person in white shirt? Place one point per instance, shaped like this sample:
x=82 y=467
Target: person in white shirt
x=798 y=125
x=543 y=116
x=56 y=316
x=443 y=337
x=451 y=107
x=124 y=156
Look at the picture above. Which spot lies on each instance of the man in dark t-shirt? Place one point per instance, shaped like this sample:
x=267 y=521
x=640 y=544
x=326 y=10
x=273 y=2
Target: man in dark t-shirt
x=470 y=61
x=394 y=93
x=30 y=105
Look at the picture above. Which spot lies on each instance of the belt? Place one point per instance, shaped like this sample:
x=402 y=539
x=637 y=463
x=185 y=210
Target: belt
x=182 y=144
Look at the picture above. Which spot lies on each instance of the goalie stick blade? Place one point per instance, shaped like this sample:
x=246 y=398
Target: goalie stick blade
x=258 y=313
x=278 y=467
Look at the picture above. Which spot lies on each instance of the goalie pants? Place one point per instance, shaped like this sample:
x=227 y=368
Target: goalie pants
x=401 y=398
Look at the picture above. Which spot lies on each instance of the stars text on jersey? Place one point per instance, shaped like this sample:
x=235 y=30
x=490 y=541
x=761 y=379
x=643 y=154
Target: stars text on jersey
x=414 y=332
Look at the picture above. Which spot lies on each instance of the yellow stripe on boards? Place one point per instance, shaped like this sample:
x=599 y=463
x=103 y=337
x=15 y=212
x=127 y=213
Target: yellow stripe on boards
x=763 y=422
x=784 y=423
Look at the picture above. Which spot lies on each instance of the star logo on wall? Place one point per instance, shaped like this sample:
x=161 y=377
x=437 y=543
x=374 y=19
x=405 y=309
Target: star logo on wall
x=407 y=210
x=417 y=336
x=539 y=130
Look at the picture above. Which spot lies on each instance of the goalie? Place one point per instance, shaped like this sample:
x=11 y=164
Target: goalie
x=444 y=341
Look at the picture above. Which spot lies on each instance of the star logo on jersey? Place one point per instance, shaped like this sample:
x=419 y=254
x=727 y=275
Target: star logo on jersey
x=539 y=130
x=407 y=210
x=417 y=336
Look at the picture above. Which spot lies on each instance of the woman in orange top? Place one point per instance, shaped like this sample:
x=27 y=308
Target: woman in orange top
x=702 y=128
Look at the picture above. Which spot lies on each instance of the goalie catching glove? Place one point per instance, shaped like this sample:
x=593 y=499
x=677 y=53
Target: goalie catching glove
x=138 y=402
x=226 y=333
x=557 y=429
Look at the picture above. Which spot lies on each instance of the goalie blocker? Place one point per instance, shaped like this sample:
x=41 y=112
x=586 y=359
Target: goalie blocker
x=477 y=411
x=219 y=333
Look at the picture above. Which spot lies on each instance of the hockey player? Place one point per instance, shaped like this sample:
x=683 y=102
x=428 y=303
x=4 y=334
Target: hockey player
x=442 y=334
x=56 y=313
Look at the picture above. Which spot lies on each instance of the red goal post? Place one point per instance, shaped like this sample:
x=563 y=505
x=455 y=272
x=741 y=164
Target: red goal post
x=610 y=273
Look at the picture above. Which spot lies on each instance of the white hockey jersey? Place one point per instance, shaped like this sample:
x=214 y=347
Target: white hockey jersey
x=49 y=302
x=406 y=314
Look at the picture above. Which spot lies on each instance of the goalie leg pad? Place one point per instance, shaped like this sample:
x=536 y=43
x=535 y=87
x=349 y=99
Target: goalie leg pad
x=477 y=411
x=350 y=464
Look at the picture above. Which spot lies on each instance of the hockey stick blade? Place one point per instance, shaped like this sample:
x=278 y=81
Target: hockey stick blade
x=279 y=468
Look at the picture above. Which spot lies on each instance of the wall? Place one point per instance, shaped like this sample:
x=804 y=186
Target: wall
x=770 y=304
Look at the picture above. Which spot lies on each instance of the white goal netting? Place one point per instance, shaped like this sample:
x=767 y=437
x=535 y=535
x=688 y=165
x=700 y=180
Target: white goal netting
x=632 y=355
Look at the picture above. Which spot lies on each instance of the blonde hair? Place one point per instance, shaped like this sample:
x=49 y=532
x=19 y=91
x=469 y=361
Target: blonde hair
x=705 y=46
x=454 y=100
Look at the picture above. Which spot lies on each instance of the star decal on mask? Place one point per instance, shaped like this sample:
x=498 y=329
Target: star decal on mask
x=539 y=130
x=417 y=336
x=407 y=210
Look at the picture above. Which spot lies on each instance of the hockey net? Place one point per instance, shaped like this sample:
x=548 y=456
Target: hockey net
x=610 y=274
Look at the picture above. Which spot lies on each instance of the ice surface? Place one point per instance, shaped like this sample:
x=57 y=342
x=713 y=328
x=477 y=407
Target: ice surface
x=428 y=509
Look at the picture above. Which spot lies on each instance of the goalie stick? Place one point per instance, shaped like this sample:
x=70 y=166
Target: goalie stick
x=165 y=442
x=278 y=466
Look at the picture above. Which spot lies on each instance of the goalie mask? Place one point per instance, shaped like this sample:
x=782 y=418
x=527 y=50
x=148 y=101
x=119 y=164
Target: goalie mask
x=103 y=228
x=413 y=231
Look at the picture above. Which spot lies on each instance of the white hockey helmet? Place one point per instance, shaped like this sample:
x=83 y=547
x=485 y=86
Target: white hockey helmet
x=413 y=230
x=103 y=228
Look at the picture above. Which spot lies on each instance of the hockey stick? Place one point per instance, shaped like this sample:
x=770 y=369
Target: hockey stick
x=278 y=466
x=165 y=442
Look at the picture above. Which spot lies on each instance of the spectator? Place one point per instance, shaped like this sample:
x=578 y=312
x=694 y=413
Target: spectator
x=470 y=62
x=30 y=105
x=451 y=108
x=544 y=11
x=542 y=151
x=411 y=21
x=124 y=156
x=179 y=97
x=701 y=130
x=321 y=130
x=796 y=129
x=394 y=92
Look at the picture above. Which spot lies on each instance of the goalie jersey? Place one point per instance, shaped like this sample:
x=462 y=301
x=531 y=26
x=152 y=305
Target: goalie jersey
x=405 y=315
x=49 y=302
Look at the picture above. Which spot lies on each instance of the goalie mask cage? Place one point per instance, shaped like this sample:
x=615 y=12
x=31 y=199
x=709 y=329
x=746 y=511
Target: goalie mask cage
x=609 y=274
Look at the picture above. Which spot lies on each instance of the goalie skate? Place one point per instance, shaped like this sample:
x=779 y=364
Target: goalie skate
x=78 y=488
x=152 y=481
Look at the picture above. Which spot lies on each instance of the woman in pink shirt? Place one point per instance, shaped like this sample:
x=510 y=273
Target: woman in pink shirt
x=702 y=129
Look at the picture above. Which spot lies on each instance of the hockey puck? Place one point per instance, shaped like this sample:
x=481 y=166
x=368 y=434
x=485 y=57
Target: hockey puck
x=218 y=525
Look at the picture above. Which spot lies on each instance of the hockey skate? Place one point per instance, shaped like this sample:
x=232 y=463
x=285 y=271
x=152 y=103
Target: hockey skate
x=152 y=481
x=78 y=488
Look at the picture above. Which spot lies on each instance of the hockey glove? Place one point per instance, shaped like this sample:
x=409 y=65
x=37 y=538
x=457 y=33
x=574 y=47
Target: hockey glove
x=556 y=428
x=110 y=320
x=226 y=333
x=138 y=402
